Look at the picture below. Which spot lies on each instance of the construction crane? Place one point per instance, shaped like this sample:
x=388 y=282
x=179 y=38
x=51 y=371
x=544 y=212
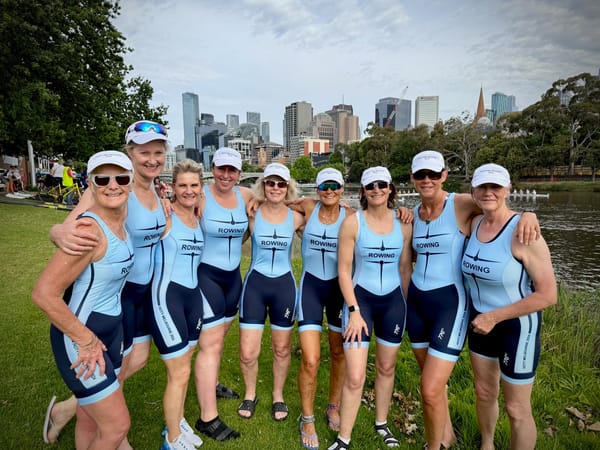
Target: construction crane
x=388 y=122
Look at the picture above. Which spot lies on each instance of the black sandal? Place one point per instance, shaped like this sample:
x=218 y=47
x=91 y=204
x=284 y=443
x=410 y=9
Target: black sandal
x=247 y=405
x=388 y=438
x=225 y=392
x=216 y=429
x=280 y=407
x=338 y=444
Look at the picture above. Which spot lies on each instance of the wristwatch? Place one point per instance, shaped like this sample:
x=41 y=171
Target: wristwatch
x=353 y=308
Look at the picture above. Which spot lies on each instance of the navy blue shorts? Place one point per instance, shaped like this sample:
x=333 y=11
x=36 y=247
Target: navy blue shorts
x=135 y=300
x=109 y=330
x=514 y=343
x=176 y=320
x=317 y=295
x=273 y=296
x=384 y=314
x=222 y=290
x=437 y=320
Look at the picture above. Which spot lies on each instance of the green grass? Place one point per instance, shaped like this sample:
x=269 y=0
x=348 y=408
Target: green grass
x=568 y=375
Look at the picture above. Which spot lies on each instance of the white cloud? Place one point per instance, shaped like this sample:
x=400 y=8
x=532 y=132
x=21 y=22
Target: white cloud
x=261 y=55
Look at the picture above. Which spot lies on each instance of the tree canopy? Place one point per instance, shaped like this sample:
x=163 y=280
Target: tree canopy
x=64 y=82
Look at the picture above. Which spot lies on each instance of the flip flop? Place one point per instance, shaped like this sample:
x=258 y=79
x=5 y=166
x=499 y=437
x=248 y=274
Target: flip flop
x=247 y=405
x=49 y=424
x=280 y=407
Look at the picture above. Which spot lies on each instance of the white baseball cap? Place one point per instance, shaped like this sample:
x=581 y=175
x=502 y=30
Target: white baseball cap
x=330 y=174
x=428 y=160
x=144 y=131
x=226 y=156
x=491 y=173
x=377 y=173
x=113 y=157
x=278 y=170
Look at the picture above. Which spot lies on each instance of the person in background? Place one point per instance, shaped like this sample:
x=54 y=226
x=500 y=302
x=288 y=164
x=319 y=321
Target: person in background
x=510 y=283
x=146 y=145
x=56 y=171
x=80 y=294
x=224 y=223
x=374 y=265
x=14 y=180
x=68 y=175
x=269 y=287
x=84 y=177
x=438 y=309
x=176 y=312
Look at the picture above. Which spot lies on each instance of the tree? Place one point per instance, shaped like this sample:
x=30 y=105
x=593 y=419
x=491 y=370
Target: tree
x=63 y=84
x=303 y=170
x=464 y=138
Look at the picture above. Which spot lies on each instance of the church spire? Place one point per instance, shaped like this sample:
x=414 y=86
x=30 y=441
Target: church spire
x=480 y=106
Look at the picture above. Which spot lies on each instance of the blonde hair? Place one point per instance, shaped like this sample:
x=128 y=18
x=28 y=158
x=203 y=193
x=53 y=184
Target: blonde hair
x=186 y=166
x=259 y=190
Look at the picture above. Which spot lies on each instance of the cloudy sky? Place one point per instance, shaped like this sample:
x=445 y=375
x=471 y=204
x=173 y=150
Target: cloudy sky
x=261 y=55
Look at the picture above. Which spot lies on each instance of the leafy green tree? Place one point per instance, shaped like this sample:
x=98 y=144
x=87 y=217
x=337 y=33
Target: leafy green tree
x=303 y=170
x=63 y=84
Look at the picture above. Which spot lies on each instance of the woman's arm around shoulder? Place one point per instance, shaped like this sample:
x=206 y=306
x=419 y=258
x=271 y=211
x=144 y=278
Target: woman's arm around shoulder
x=406 y=257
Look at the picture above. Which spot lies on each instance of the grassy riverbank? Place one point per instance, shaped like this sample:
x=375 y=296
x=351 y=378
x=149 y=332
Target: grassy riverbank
x=568 y=376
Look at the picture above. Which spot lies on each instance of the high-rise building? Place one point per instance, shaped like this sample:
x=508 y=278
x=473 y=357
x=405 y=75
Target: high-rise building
x=265 y=132
x=253 y=117
x=296 y=121
x=191 y=114
x=427 y=110
x=502 y=104
x=233 y=122
x=346 y=123
x=323 y=127
x=394 y=113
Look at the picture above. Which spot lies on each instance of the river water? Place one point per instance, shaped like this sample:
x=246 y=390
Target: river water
x=569 y=222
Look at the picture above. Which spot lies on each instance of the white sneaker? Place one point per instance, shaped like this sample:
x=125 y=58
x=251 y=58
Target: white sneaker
x=181 y=443
x=190 y=436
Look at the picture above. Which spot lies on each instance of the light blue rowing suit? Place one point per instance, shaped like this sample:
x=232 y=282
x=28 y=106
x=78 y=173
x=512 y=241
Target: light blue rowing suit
x=94 y=298
x=176 y=315
x=438 y=245
x=377 y=258
x=319 y=286
x=269 y=285
x=377 y=283
x=496 y=279
x=223 y=229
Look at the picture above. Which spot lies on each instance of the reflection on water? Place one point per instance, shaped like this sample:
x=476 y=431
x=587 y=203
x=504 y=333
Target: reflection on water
x=569 y=222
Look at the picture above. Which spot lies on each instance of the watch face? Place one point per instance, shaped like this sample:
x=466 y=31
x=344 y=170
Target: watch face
x=352 y=308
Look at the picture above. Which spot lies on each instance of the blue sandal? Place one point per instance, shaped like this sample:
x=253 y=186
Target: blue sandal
x=313 y=438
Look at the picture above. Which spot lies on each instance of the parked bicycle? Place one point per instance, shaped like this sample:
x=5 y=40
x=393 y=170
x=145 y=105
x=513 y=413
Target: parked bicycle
x=60 y=194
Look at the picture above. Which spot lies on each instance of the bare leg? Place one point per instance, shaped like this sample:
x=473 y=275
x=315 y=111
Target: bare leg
x=135 y=360
x=103 y=424
x=310 y=343
x=487 y=387
x=354 y=381
x=281 y=341
x=385 y=363
x=206 y=370
x=517 y=398
x=336 y=376
x=250 y=341
x=178 y=376
x=60 y=414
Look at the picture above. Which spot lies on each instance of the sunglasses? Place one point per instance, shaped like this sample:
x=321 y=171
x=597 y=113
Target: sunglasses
x=379 y=184
x=124 y=179
x=333 y=185
x=422 y=174
x=273 y=183
x=150 y=126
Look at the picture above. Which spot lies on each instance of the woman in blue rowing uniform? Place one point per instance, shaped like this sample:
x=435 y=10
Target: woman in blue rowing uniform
x=510 y=284
x=438 y=309
x=224 y=223
x=80 y=294
x=374 y=264
x=146 y=145
x=176 y=312
x=269 y=287
x=320 y=294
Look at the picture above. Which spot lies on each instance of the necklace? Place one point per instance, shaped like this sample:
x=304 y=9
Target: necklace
x=329 y=218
